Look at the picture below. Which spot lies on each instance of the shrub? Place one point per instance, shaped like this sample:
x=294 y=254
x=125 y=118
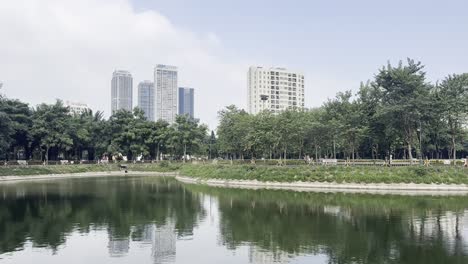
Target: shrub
x=164 y=164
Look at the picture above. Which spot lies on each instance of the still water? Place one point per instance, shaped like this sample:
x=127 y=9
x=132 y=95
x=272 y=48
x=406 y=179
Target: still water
x=158 y=220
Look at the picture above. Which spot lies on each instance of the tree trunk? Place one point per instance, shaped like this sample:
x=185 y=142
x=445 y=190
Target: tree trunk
x=284 y=156
x=454 y=150
x=300 y=150
x=47 y=155
x=316 y=153
x=209 y=153
x=157 y=152
x=185 y=152
x=334 y=149
x=410 y=155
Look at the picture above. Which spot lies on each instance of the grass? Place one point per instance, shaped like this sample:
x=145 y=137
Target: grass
x=438 y=175
x=54 y=169
x=340 y=174
x=64 y=169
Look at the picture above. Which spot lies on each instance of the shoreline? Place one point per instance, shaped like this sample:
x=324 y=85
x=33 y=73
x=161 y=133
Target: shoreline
x=373 y=188
x=14 y=179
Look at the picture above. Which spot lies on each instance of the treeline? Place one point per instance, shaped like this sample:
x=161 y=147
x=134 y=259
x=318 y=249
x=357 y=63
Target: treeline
x=398 y=113
x=52 y=132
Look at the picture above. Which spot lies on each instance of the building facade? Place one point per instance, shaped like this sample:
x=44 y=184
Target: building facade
x=186 y=101
x=166 y=100
x=274 y=89
x=146 y=99
x=121 y=91
x=76 y=107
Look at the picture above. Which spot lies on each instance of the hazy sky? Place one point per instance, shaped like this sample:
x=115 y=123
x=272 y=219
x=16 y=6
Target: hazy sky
x=68 y=49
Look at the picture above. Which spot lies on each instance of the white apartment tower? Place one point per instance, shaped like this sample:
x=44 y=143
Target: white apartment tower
x=146 y=99
x=77 y=107
x=274 y=89
x=165 y=82
x=121 y=91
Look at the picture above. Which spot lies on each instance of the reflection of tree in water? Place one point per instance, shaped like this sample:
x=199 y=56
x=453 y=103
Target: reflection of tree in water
x=45 y=212
x=347 y=228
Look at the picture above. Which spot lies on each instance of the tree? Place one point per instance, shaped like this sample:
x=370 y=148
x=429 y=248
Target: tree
x=19 y=115
x=187 y=136
x=158 y=137
x=453 y=103
x=232 y=130
x=51 y=129
x=212 y=147
x=6 y=130
x=99 y=135
x=128 y=133
x=403 y=89
x=317 y=130
x=262 y=134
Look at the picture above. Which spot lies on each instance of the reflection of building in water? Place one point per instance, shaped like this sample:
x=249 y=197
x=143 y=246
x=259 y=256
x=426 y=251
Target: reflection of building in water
x=118 y=247
x=338 y=211
x=261 y=256
x=147 y=235
x=164 y=243
x=448 y=226
x=162 y=240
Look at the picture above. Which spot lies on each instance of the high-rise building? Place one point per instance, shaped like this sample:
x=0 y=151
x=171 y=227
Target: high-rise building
x=122 y=91
x=146 y=99
x=165 y=82
x=76 y=107
x=274 y=89
x=186 y=101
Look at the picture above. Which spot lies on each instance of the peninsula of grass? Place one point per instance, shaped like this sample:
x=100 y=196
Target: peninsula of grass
x=81 y=168
x=338 y=174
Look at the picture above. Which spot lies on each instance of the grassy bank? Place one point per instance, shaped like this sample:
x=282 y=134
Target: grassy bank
x=448 y=175
x=54 y=169
x=65 y=169
x=340 y=174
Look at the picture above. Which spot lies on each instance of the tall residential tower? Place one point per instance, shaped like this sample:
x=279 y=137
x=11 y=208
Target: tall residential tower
x=274 y=89
x=121 y=91
x=165 y=82
x=146 y=99
x=186 y=101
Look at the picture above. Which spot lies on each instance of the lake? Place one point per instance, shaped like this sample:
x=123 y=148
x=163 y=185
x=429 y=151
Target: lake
x=158 y=220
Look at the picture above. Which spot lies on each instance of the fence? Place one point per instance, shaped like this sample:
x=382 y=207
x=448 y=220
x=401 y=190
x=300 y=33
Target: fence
x=265 y=162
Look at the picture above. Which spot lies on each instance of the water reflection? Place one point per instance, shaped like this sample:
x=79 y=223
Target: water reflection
x=158 y=220
x=154 y=211
x=346 y=228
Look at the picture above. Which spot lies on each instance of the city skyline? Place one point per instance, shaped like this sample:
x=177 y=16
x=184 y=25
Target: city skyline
x=158 y=102
x=336 y=46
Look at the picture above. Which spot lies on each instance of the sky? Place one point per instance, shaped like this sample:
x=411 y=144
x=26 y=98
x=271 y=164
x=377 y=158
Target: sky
x=68 y=49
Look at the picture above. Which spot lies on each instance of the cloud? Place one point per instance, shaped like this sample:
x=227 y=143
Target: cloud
x=68 y=50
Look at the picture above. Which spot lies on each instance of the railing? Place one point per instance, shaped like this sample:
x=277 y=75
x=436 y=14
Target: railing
x=261 y=162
